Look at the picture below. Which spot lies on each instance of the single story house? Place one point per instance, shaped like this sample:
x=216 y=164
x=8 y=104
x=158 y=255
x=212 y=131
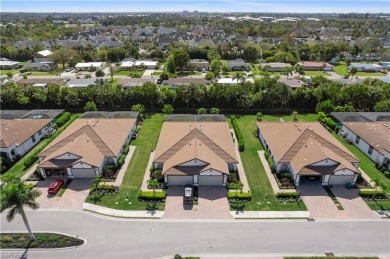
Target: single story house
x=42 y=56
x=365 y=67
x=291 y=82
x=176 y=82
x=82 y=82
x=275 y=66
x=22 y=130
x=308 y=151
x=130 y=63
x=343 y=117
x=231 y=81
x=385 y=64
x=41 y=82
x=132 y=82
x=91 y=66
x=199 y=64
x=372 y=138
x=315 y=66
x=195 y=152
x=237 y=64
x=86 y=146
x=42 y=66
x=7 y=64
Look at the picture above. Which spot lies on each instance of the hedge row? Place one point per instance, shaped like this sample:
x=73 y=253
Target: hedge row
x=30 y=160
x=239 y=195
x=64 y=118
x=287 y=194
x=105 y=188
x=240 y=138
x=122 y=158
x=150 y=196
x=322 y=118
x=370 y=193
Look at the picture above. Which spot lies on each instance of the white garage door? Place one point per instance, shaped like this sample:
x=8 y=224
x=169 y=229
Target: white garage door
x=84 y=173
x=210 y=179
x=180 y=180
x=340 y=179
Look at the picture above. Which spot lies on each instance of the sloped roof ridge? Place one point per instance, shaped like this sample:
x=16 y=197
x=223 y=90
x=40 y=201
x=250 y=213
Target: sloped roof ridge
x=76 y=134
x=183 y=143
x=304 y=137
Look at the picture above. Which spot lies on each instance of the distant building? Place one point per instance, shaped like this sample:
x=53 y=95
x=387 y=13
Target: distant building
x=199 y=64
x=365 y=67
x=90 y=66
x=43 y=56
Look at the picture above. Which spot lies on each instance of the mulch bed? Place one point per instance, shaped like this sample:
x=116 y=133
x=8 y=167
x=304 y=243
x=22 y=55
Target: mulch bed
x=43 y=240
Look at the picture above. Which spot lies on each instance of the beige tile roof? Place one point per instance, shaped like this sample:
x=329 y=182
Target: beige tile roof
x=376 y=134
x=210 y=142
x=90 y=139
x=19 y=130
x=302 y=144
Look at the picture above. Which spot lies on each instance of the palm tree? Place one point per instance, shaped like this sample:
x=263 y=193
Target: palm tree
x=98 y=180
x=14 y=197
x=288 y=71
x=240 y=77
x=299 y=69
x=153 y=183
x=378 y=184
x=295 y=114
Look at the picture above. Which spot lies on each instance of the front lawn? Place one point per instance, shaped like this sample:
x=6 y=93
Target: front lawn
x=316 y=73
x=43 y=240
x=369 y=168
x=145 y=143
x=341 y=69
x=263 y=197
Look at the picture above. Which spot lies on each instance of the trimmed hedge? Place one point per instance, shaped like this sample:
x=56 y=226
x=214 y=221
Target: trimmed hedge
x=149 y=196
x=287 y=195
x=30 y=160
x=331 y=124
x=64 y=118
x=240 y=196
x=240 y=138
x=370 y=193
x=103 y=188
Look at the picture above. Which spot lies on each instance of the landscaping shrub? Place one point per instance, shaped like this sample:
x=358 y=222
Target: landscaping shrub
x=64 y=118
x=240 y=196
x=103 y=189
x=271 y=164
x=370 y=193
x=328 y=122
x=387 y=174
x=287 y=195
x=158 y=175
x=240 y=138
x=149 y=196
x=232 y=177
x=266 y=154
x=284 y=175
x=121 y=160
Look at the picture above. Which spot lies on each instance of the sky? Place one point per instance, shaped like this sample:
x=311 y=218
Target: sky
x=286 y=6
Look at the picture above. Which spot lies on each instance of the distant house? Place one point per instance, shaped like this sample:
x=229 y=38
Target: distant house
x=131 y=63
x=80 y=83
x=90 y=66
x=365 y=67
x=7 y=64
x=87 y=145
x=199 y=64
x=43 y=56
x=291 y=82
x=176 y=82
x=42 y=66
x=385 y=64
x=22 y=130
x=237 y=64
x=164 y=42
x=275 y=66
x=316 y=66
x=231 y=81
x=132 y=82
x=372 y=138
x=41 y=82
x=308 y=151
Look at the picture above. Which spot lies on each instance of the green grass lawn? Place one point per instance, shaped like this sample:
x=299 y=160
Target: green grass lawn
x=341 y=69
x=263 y=197
x=369 y=168
x=157 y=73
x=43 y=73
x=189 y=73
x=309 y=117
x=13 y=71
x=316 y=73
x=134 y=175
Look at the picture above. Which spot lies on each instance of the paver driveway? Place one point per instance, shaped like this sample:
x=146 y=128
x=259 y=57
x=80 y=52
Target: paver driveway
x=212 y=204
x=321 y=206
x=72 y=199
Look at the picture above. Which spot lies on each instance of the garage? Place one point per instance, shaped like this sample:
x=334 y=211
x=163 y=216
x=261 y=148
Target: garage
x=210 y=180
x=84 y=173
x=180 y=180
x=340 y=179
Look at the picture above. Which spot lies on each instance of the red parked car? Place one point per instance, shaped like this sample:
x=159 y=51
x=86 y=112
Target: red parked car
x=55 y=186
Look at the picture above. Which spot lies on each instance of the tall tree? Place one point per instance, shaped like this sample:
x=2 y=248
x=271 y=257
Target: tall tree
x=63 y=55
x=181 y=58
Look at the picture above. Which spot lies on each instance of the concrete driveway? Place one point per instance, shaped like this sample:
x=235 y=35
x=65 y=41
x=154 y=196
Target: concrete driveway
x=322 y=207
x=72 y=199
x=212 y=204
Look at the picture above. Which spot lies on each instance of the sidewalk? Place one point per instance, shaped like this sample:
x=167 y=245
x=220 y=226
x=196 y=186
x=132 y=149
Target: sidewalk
x=270 y=214
x=122 y=213
x=30 y=172
x=144 y=186
x=271 y=178
x=121 y=174
x=240 y=167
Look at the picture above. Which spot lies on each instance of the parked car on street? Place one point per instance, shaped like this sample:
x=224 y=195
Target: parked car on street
x=55 y=186
x=188 y=194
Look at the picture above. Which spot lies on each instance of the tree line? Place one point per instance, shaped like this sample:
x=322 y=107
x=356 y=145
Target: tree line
x=266 y=93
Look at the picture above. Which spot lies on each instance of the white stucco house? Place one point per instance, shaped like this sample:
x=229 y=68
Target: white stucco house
x=308 y=151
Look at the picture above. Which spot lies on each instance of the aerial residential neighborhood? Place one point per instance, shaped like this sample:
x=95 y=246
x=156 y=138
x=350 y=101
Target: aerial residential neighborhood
x=195 y=130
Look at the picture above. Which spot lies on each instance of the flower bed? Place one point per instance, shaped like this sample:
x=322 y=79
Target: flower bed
x=103 y=189
x=288 y=197
x=43 y=240
x=241 y=196
x=147 y=196
x=369 y=195
x=284 y=180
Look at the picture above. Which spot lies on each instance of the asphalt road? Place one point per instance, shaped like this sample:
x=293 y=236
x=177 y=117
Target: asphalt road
x=125 y=238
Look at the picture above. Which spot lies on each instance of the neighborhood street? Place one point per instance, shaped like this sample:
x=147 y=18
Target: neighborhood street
x=130 y=238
